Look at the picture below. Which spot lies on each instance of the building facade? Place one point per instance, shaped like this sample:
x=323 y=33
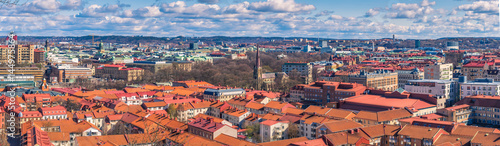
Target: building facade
x=479 y=87
x=379 y=79
x=304 y=69
x=119 y=72
x=444 y=90
x=439 y=71
x=405 y=75
x=22 y=54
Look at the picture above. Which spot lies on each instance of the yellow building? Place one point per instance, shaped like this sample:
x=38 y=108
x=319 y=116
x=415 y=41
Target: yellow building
x=22 y=54
x=380 y=79
x=22 y=73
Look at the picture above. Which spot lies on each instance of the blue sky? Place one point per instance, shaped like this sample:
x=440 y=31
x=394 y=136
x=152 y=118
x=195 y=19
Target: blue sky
x=352 y=19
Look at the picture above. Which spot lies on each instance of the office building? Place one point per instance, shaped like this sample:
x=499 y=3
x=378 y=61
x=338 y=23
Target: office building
x=68 y=73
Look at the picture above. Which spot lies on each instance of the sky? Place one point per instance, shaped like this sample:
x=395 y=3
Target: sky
x=338 y=19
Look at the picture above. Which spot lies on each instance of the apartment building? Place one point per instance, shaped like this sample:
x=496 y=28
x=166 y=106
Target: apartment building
x=484 y=109
x=235 y=116
x=119 y=72
x=457 y=113
x=419 y=135
x=323 y=92
x=444 y=90
x=57 y=112
x=390 y=117
x=439 y=71
x=379 y=79
x=188 y=110
x=22 y=54
x=406 y=75
x=479 y=86
x=304 y=69
x=336 y=127
x=277 y=107
x=477 y=69
x=208 y=128
x=309 y=124
x=271 y=130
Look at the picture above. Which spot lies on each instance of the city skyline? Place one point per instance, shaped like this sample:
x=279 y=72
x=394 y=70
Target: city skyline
x=357 y=19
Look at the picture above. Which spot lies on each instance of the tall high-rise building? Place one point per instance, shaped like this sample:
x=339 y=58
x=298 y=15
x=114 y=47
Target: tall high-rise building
x=417 y=44
x=101 y=47
x=193 y=46
x=452 y=46
x=323 y=44
x=257 y=73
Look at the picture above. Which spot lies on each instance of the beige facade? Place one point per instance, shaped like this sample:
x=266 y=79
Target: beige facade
x=439 y=71
x=273 y=130
x=22 y=54
x=379 y=80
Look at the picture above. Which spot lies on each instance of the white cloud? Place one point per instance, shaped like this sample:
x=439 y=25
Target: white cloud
x=280 y=6
x=489 y=7
x=42 y=6
x=73 y=5
x=99 y=11
x=208 y=1
x=372 y=12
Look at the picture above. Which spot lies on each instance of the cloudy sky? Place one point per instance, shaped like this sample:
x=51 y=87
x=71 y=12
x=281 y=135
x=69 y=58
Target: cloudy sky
x=358 y=19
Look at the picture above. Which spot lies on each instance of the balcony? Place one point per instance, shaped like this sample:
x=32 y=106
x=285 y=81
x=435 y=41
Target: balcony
x=464 y=112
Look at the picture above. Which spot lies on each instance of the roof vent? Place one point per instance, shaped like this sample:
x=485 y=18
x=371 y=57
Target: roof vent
x=486 y=134
x=430 y=129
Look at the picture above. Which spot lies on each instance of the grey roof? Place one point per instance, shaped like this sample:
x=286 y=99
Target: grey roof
x=430 y=81
x=220 y=92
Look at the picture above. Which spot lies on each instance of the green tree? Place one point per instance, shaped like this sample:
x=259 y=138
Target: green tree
x=253 y=132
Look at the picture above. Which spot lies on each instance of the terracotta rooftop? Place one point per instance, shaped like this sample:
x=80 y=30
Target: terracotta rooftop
x=284 y=142
x=207 y=125
x=486 y=138
x=229 y=140
x=384 y=115
x=471 y=130
x=421 y=132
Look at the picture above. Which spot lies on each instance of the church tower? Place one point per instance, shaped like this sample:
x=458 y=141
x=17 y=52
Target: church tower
x=101 y=48
x=257 y=72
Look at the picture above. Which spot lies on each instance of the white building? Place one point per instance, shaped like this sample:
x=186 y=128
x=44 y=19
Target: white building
x=273 y=130
x=235 y=116
x=439 y=71
x=444 y=90
x=479 y=87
